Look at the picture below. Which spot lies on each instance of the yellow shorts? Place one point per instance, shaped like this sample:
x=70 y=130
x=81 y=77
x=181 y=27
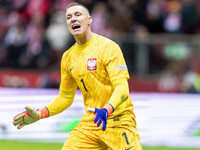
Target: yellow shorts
x=122 y=138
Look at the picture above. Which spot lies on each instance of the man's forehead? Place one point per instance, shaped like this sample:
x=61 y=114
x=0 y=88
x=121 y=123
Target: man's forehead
x=76 y=8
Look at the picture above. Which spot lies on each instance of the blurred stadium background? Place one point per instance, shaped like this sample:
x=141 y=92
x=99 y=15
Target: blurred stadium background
x=160 y=40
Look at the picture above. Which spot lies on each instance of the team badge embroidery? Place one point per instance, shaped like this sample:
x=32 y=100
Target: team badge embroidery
x=92 y=64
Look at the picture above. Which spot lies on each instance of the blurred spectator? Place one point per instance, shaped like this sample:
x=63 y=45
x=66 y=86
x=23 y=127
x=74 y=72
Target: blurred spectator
x=6 y=3
x=61 y=5
x=37 y=52
x=4 y=20
x=41 y=7
x=20 y=6
x=15 y=41
x=4 y=26
x=121 y=18
x=137 y=51
x=172 y=16
x=191 y=78
x=154 y=16
x=189 y=16
x=100 y=16
x=57 y=32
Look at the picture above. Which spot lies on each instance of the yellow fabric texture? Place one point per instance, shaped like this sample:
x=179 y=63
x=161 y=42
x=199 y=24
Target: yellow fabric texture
x=120 y=93
x=115 y=138
x=61 y=102
x=98 y=69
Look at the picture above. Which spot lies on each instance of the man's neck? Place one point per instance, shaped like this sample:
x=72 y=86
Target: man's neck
x=82 y=39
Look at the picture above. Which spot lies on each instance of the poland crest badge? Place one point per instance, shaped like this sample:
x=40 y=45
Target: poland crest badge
x=92 y=64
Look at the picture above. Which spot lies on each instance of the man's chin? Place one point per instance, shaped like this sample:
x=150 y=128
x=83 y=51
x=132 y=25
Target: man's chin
x=76 y=33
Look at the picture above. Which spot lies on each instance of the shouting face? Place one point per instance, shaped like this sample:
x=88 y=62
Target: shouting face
x=78 y=20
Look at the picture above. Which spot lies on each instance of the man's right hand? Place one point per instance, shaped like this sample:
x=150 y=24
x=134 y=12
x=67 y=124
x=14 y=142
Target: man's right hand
x=25 y=118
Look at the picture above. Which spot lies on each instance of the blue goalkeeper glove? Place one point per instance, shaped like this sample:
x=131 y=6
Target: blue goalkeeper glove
x=102 y=115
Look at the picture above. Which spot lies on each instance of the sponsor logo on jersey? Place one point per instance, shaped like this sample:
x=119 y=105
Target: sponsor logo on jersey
x=92 y=64
x=122 y=67
x=71 y=68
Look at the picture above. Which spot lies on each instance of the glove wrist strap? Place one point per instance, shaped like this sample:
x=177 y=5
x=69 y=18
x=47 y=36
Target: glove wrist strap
x=109 y=109
x=44 y=112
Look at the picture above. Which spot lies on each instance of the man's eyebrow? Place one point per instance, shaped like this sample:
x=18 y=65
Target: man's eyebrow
x=74 y=13
x=68 y=14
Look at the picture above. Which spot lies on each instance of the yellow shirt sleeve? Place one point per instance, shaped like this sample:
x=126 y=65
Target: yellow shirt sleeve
x=114 y=62
x=120 y=93
x=61 y=102
x=68 y=88
x=118 y=74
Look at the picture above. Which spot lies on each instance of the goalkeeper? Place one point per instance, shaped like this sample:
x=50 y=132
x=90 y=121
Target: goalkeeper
x=96 y=65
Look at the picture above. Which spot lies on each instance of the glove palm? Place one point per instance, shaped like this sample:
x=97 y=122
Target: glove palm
x=28 y=117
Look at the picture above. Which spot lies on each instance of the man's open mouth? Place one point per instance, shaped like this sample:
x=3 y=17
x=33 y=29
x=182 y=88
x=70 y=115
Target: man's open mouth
x=75 y=27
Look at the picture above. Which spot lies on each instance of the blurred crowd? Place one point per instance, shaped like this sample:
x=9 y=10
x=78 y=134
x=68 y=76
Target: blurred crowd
x=33 y=33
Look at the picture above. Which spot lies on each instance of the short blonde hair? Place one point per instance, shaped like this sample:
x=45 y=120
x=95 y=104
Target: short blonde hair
x=77 y=4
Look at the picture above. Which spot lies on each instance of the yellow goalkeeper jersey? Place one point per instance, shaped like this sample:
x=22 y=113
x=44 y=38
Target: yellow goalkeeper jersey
x=92 y=67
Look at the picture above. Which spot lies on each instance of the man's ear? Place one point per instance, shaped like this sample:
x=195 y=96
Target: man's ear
x=89 y=20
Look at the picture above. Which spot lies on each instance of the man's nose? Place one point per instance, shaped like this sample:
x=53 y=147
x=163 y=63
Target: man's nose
x=73 y=19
